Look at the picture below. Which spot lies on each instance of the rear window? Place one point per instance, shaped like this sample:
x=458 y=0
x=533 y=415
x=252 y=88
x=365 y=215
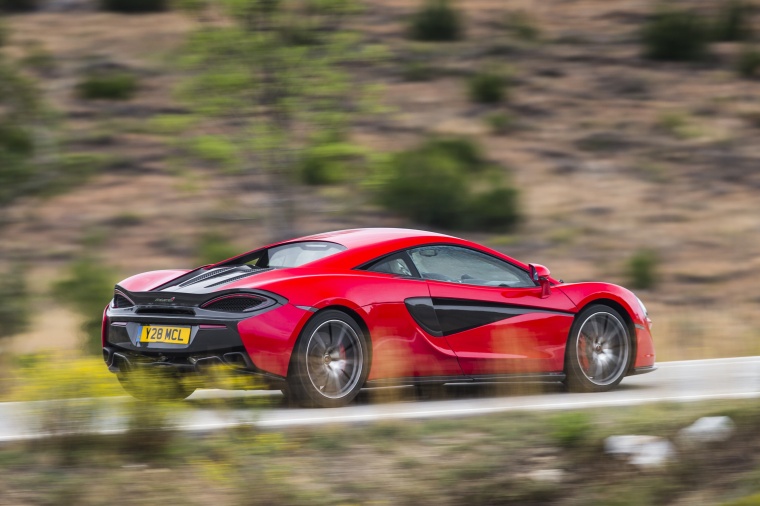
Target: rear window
x=295 y=254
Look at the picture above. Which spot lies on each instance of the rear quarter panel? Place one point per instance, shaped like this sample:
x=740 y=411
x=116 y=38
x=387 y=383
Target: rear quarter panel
x=400 y=348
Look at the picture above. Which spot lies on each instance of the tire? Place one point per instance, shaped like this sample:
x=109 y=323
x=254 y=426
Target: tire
x=599 y=350
x=330 y=361
x=155 y=386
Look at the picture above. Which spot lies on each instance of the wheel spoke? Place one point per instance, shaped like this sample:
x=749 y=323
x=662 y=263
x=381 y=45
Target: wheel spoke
x=601 y=359
x=321 y=342
x=343 y=332
x=334 y=358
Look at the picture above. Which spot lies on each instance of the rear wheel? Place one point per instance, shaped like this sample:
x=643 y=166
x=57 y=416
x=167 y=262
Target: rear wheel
x=330 y=362
x=155 y=385
x=598 y=350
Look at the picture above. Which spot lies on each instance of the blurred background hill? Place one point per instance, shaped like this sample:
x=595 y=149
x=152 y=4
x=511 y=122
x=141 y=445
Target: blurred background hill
x=615 y=141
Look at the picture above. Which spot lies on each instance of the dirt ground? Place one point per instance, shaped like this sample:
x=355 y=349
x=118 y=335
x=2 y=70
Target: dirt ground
x=600 y=173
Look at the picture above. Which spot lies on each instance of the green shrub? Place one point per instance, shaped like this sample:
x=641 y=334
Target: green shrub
x=417 y=71
x=523 y=26
x=330 y=163
x=437 y=20
x=216 y=149
x=675 y=35
x=494 y=210
x=436 y=184
x=462 y=149
x=487 y=87
x=749 y=63
x=110 y=85
x=570 y=430
x=38 y=58
x=213 y=247
x=15 y=139
x=171 y=124
x=642 y=269
x=678 y=124
x=426 y=187
x=87 y=288
x=134 y=6
x=733 y=22
x=71 y=170
x=499 y=123
x=14 y=307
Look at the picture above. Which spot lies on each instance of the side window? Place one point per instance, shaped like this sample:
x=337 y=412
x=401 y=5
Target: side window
x=398 y=264
x=461 y=265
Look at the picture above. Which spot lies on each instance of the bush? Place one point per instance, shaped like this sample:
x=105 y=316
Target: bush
x=213 y=247
x=733 y=22
x=487 y=87
x=217 y=149
x=436 y=20
x=171 y=124
x=523 y=26
x=749 y=63
x=14 y=308
x=642 y=269
x=134 y=6
x=110 y=85
x=416 y=71
x=494 y=210
x=330 y=163
x=678 y=124
x=426 y=187
x=463 y=150
x=87 y=289
x=39 y=59
x=675 y=35
x=499 y=123
x=15 y=139
x=435 y=185
x=571 y=429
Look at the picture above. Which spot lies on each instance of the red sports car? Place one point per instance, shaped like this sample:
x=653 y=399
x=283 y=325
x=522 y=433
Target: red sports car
x=322 y=316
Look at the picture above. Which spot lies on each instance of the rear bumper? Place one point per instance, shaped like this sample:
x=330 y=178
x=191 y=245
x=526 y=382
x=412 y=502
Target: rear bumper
x=214 y=341
x=237 y=360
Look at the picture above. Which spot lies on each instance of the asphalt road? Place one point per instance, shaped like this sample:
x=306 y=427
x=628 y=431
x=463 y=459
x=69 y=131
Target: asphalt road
x=731 y=378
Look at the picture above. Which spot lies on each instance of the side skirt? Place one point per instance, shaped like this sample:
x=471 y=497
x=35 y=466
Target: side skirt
x=552 y=377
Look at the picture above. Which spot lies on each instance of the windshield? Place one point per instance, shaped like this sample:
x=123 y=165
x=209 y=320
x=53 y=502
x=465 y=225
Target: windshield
x=295 y=254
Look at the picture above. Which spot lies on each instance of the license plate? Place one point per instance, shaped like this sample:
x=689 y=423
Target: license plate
x=163 y=334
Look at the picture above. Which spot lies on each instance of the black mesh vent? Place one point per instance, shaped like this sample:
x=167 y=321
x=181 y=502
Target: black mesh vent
x=119 y=301
x=203 y=277
x=234 y=304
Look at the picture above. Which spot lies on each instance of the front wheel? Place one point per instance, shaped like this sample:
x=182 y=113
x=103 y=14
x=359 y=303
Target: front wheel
x=330 y=362
x=598 y=350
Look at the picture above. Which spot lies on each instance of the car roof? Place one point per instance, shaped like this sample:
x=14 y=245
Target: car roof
x=366 y=244
x=360 y=237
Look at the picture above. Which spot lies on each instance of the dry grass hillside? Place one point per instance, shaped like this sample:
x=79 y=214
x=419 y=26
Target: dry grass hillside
x=612 y=154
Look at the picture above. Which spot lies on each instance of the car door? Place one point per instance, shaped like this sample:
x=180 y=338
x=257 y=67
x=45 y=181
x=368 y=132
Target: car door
x=492 y=314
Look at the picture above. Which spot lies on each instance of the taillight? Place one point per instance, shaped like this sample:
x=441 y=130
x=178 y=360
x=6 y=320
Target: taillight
x=237 y=303
x=121 y=301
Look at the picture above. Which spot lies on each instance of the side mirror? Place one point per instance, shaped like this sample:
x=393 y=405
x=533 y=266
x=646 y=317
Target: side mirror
x=540 y=276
